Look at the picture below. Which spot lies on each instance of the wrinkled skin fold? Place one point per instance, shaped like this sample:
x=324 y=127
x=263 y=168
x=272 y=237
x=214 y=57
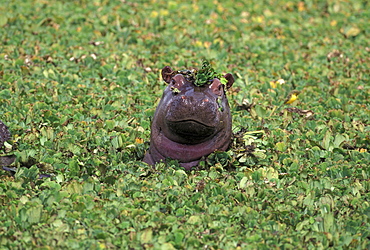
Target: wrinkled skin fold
x=190 y=122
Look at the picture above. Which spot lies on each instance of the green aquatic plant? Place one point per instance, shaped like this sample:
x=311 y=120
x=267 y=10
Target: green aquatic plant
x=207 y=74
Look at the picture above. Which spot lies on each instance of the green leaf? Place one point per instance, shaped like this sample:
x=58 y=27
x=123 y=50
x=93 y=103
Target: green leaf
x=350 y=31
x=244 y=182
x=261 y=112
x=3 y=20
x=281 y=146
x=146 y=236
x=194 y=220
x=167 y=246
x=179 y=237
x=339 y=139
x=326 y=142
x=34 y=214
x=51 y=185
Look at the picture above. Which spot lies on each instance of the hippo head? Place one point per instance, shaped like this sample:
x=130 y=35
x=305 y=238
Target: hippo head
x=190 y=114
x=190 y=121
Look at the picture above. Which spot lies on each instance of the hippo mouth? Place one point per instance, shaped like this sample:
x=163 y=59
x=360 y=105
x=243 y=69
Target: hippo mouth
x=191 y=130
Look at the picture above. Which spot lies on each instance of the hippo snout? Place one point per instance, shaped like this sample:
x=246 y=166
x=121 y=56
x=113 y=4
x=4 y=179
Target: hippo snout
x=189 y=108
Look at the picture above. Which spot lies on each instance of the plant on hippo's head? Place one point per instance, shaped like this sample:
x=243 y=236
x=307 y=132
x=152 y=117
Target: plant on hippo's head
x=206 y=74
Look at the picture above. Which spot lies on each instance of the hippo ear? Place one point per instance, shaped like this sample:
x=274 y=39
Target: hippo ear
x=230 y=80
x=167 y=74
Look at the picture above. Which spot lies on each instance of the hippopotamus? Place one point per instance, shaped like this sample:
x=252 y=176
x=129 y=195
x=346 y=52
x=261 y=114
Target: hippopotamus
x=190 y=121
